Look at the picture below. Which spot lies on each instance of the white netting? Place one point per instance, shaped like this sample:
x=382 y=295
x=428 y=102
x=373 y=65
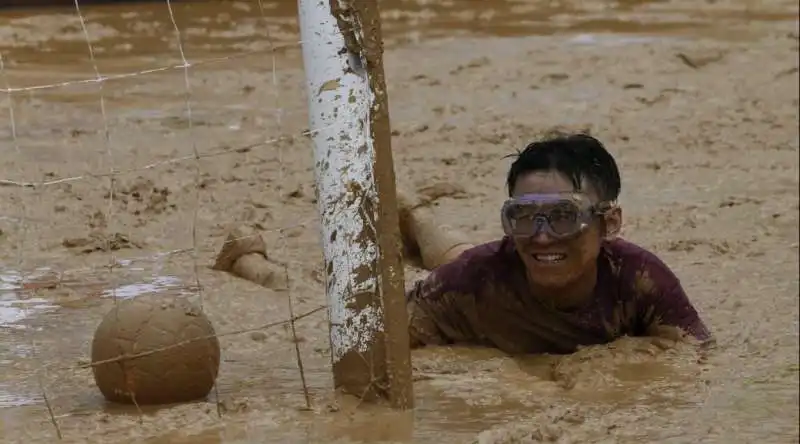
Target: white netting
x=139 y=139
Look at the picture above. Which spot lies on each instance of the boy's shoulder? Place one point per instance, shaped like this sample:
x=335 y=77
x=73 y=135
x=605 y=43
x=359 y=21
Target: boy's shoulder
x=625 y=248
x=628 y=253
x=638 y=266
x=466 y=273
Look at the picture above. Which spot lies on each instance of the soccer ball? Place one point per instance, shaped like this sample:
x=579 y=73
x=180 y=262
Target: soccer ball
x=155 y=350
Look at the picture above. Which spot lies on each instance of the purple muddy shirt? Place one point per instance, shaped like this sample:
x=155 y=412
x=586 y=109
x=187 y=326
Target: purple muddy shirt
x=482 y=298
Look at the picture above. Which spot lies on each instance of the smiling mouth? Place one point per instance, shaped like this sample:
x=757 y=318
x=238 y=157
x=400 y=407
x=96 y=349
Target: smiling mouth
x=549 y=258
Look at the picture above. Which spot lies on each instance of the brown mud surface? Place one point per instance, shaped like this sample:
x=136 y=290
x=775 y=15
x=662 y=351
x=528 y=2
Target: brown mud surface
x=698 y=100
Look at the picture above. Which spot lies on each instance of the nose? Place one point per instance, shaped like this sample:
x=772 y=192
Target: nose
x=541 y=235
x=542 y=238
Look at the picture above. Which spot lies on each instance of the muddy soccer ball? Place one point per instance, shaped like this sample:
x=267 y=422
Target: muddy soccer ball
x=159 y=351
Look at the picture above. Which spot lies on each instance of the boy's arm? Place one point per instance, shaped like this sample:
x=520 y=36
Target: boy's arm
x=664 y=305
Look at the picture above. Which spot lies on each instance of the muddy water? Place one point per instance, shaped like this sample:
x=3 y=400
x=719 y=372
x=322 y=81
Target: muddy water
x=698 y=101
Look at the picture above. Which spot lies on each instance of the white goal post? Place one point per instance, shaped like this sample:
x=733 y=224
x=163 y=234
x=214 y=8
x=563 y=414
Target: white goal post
x=349 y=123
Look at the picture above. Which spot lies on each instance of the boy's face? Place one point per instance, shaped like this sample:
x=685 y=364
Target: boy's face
x=558 y=262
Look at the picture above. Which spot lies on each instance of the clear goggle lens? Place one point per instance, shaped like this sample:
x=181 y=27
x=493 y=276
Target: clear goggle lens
x=559 y=215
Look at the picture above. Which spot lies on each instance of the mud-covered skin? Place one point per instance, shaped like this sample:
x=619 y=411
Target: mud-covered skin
x=483 y=298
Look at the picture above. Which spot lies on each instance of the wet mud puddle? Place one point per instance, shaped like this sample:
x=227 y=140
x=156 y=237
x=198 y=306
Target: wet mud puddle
x=129 y=36
x=635 y=390
x=24 y=297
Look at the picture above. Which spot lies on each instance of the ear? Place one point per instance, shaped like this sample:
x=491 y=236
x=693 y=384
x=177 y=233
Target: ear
x=613 y=222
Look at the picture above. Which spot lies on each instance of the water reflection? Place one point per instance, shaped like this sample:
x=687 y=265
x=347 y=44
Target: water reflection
x=11 y=395
x=19 y=300
x=14 y=306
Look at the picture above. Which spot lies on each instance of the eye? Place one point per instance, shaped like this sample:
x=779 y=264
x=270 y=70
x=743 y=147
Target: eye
x=518 y=211
x=563 y=213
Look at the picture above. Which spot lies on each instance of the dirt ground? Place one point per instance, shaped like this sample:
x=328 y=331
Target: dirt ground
x=697 y=100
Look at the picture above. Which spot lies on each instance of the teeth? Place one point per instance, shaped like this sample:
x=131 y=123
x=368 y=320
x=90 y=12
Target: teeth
x=549 y=257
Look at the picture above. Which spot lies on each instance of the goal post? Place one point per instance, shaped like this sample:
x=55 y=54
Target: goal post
x=356 y=198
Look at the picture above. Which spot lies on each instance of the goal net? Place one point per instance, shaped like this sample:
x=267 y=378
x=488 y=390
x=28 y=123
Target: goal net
x=158 y=150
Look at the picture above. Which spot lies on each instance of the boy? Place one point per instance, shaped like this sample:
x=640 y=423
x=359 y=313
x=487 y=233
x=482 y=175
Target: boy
x=558 y=279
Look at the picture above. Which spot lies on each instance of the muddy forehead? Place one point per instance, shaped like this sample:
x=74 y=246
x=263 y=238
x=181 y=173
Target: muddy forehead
x=548 y=202
x=552 y=182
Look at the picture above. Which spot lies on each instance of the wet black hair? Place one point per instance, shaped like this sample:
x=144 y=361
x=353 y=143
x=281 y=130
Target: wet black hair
x=580 y=157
